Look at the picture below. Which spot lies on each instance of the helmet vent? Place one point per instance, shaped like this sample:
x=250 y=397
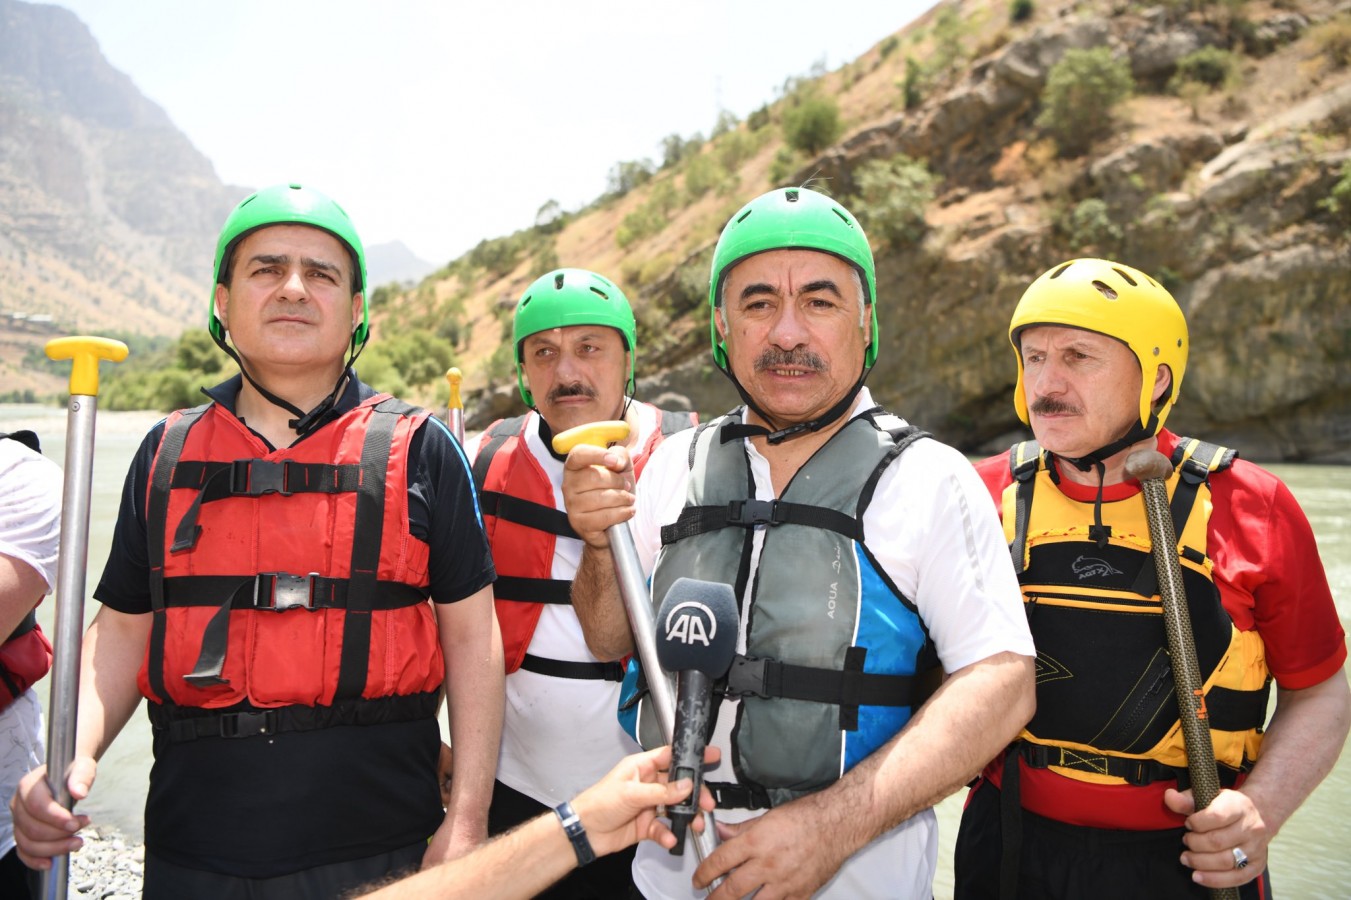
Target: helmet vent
x=558 y=282
x=744 y=216
x=598 y=292
x=1061 y=271
x=1106 y=290
x=843 y=217
x=791 y=195
x=1129 y=280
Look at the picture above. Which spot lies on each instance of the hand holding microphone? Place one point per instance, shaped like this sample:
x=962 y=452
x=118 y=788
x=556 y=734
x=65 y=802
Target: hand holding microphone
x=696 y=638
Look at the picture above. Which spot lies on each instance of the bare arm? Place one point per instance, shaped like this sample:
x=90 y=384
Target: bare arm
x=794 y=849
x=616 y=812
x=21 y=587
x=1301 y=746
x=475 y=675
x=598 y=493
x=113 y=648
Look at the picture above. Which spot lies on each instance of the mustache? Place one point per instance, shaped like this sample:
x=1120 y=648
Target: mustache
x=774 y=358
x=1050 y=406
x=576 y=389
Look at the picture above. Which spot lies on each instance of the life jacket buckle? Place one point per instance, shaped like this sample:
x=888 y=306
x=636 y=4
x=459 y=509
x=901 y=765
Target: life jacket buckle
x=748 y=677
x=247 y=724
x=280 y=591
x=256 y=477
x=753 y=512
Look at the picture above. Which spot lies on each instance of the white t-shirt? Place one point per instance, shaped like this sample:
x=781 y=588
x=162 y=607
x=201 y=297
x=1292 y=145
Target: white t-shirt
x=934 y=531
x=560 y=735
x=30 y=533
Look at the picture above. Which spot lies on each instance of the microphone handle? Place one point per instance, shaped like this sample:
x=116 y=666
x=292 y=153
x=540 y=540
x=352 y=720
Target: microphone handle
x=694 y=707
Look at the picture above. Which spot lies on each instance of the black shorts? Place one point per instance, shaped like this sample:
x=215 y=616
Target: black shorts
x=1066 y=862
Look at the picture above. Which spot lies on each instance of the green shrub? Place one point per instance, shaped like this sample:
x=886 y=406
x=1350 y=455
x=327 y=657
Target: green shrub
x=1020 y=10
x=785 y=163
x=702 y=174
x=1211 y=66
x=1338 y=200
x=1090 y=224
x=758 y=119
x=1081 y=92
x=888 y=46
x=892 y=196
x=812 y=124
x=912 y=86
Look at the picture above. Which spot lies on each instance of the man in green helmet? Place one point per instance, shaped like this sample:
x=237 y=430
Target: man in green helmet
x=867 y=567
x=575 y=340
x=1091 y=800
x=267 y=592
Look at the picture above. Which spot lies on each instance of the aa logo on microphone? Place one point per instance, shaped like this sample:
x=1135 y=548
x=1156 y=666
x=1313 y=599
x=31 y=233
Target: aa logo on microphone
x=690 y=623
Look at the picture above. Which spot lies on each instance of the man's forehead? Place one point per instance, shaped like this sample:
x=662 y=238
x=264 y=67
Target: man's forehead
x=571 y=333
x=788 y=261
x=292 y=233
x=1042 y=335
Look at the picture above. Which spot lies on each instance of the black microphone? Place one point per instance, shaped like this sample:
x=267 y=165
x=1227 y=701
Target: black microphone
x=696 y=638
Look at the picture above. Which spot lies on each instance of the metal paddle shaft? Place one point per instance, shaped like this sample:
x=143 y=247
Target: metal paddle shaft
x=638 y=607
x=1152 y=469
x=85 y=352
x=455 y=406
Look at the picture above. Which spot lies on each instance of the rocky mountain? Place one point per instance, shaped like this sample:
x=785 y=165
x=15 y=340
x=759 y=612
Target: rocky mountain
x=1225 y=188
x=105 y=207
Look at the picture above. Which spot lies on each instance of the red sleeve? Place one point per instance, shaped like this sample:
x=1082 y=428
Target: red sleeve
x=1271 y=577
x=994 y=471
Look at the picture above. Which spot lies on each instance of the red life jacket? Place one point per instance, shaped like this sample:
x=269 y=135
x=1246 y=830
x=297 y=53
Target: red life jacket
x=26 y=655
x=523 y=525
x=288 y=578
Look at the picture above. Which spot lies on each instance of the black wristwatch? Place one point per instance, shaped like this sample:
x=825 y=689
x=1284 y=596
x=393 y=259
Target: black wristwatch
x=572 y=827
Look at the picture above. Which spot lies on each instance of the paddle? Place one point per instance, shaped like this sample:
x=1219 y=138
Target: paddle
x=85 y=353
x=455 y=406
x=638 y=607
x=1152 y=469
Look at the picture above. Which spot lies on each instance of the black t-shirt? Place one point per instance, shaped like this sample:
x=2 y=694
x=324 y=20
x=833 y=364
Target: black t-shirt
x=269 y=805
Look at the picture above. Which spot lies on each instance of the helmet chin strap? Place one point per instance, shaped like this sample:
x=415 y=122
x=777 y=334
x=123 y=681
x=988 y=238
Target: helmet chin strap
x=830 y=416
x=1097 y=460
x=304 y=422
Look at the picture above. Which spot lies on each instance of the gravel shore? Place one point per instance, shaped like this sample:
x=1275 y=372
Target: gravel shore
x=107 y=867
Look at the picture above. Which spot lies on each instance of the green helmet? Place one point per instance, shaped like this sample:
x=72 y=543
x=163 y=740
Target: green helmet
x=1120 y=302
x=572 y=297
x=785 y=219
x=291 y=204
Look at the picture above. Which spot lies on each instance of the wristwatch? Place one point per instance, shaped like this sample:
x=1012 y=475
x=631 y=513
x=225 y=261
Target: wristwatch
x=572 y=827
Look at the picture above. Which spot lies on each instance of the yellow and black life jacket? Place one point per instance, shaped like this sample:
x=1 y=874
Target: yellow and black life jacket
x=1106 y=709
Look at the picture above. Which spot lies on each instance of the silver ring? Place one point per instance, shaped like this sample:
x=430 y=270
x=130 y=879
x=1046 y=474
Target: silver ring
x=1240 y=859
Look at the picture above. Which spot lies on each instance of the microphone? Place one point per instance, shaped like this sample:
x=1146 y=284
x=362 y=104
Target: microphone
x=696 y=638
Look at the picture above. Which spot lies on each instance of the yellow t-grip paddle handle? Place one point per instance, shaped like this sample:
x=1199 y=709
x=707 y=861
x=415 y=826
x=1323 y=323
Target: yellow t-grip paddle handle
x=597 y=434
x=453 y=378
x=85 y=353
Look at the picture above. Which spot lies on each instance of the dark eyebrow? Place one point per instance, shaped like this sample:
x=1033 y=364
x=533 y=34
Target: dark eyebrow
x=824 y=284
x=274 y=259
x=760 y=287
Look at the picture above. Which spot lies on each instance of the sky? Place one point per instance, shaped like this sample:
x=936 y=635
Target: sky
x=439 y=124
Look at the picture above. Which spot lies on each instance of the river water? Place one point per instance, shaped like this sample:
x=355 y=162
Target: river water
x=1311 y=858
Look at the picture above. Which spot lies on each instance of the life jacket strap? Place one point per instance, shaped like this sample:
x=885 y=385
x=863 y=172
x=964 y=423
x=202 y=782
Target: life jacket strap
x=187 y=723
x=1137 y=772
x=522 y=589
x=696 y=520
x=526 y=512
x=729 y=795
x=581 y=671
x=849 y=688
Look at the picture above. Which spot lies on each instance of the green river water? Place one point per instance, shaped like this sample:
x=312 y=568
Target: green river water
x=1311 y=858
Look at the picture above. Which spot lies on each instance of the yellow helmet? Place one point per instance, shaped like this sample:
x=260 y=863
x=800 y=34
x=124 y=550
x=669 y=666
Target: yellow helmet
x=1120 y=302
